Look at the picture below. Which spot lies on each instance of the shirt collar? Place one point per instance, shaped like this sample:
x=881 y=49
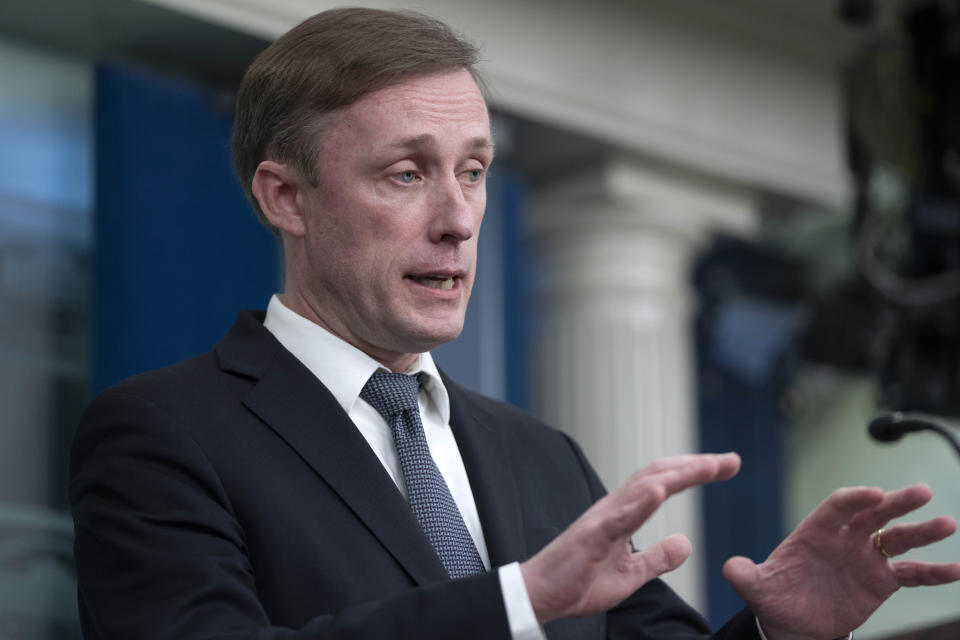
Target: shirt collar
x=342 y=368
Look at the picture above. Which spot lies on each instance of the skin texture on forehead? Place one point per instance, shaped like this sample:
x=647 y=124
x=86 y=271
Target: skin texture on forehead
x=385 y=250
x=401 y=118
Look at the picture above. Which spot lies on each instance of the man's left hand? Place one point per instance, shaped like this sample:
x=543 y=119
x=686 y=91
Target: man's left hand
x=829 y=575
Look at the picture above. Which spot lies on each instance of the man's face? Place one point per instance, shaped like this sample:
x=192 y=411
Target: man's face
x=390 y=248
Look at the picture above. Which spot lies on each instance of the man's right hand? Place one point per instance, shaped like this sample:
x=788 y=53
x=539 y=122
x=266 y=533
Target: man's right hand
x=591 y=566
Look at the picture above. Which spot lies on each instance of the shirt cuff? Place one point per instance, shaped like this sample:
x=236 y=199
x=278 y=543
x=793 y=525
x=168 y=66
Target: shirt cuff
x=520 y=616
x=849 y=636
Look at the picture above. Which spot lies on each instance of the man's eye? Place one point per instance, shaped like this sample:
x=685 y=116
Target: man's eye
x=474 y=175
x=407 y=177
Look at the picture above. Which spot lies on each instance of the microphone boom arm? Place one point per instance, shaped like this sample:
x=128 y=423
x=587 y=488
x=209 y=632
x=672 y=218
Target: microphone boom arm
x=891 y=427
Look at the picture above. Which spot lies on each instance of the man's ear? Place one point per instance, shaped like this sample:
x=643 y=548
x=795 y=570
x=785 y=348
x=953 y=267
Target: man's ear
x=277 y=188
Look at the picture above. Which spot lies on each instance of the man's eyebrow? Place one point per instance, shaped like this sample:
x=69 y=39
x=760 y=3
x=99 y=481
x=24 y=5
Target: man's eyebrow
x=484 y=143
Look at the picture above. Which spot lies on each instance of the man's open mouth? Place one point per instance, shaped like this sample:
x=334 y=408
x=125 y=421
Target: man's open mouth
x=437 y=282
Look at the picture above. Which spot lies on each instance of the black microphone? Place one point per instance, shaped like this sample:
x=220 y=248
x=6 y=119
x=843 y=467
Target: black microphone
x=892 y=427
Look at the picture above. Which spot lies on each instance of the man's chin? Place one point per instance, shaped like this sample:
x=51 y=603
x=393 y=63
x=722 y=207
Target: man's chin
x=426 y=337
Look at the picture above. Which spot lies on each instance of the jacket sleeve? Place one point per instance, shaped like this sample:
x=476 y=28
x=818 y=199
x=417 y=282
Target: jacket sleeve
x=160 y=553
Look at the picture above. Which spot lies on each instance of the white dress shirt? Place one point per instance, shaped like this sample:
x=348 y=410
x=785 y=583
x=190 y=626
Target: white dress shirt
x=344 y=370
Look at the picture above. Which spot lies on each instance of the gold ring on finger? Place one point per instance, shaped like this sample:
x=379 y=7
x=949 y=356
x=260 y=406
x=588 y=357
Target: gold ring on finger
x=878 y=543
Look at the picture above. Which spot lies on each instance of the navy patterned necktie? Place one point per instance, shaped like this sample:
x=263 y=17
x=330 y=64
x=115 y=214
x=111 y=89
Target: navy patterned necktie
x=394 y=396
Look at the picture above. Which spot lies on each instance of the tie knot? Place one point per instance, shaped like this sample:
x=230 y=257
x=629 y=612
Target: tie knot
x=392 y=393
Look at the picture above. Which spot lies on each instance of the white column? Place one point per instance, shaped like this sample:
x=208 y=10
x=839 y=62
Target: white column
x=615 y=352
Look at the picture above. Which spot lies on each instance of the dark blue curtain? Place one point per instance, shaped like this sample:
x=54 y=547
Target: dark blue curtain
x=177 y=249
x=751 y=319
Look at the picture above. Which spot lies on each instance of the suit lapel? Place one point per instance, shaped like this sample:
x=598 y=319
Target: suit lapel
x=292 y=402
x=491 y=476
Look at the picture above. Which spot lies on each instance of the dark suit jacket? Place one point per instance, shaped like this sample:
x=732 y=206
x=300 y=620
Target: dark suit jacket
x=229 y=496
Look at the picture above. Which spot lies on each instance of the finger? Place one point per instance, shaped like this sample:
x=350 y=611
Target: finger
x=692 y=471
x=728 y=466
x=843 y=504
x=912 y=573
x=894 y=505
x=901 y=538
x=633 y=503
x=671 y=462
x=742 y=573
x=685 y=460
x=657 y=559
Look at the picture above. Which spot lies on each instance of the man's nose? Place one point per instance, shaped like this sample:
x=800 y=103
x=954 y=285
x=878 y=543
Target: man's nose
x=453 y=211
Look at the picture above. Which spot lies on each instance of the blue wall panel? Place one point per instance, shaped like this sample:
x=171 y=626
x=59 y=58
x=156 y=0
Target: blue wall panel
x=748 y=333
x=177 y=249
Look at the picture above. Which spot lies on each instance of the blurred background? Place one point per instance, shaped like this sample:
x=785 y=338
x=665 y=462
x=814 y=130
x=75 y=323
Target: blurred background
x=711 y=226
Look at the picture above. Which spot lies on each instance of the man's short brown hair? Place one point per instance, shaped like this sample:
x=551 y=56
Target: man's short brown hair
x=329 y=61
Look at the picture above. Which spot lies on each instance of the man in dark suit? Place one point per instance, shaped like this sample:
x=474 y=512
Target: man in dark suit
x=316 y=476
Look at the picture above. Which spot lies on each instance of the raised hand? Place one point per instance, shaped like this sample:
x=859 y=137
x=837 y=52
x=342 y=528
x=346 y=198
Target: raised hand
x=591 y=567
x=829 y=575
